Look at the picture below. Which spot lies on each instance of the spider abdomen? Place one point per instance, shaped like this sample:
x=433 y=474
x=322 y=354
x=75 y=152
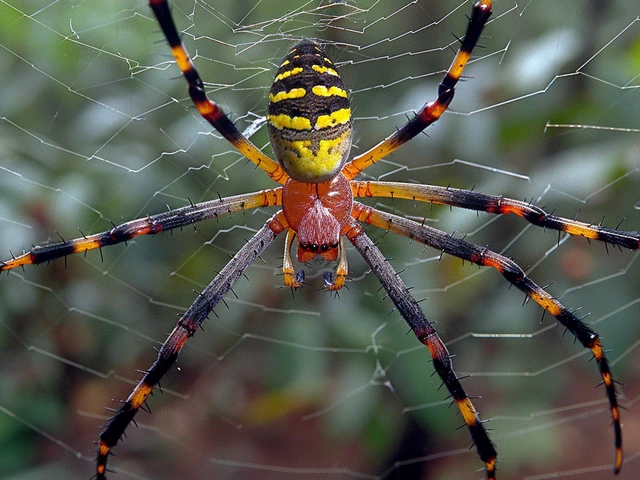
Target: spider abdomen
x=309 y=115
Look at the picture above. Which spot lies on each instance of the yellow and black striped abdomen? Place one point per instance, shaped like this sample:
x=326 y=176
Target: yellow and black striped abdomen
x=309 y=115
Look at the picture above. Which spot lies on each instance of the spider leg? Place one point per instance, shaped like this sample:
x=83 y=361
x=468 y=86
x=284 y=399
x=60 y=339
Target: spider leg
x=150 y=225
x=495 y=204
x=206 y=107
x=516 y=276
x=426 y=333
x=335 y=283
x=291 y=279
x=185 y=328
x=431 y=111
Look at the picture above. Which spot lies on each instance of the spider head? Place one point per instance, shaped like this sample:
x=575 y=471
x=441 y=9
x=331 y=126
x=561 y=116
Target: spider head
x=318 y=234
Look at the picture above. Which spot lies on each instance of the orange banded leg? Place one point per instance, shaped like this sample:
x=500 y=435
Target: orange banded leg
x=514 y=275
x=424 y=330
x=150 y=225
x=185 y=328
x=495 y=204
x=431 y=111
x=206 y=107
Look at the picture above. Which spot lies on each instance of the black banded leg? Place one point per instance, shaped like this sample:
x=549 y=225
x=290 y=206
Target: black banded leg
x=426 y=333
x=206 y=107
x=431 y=111
x=185 y=328
x=517 y=277
x=495 y=204
x=151 y=225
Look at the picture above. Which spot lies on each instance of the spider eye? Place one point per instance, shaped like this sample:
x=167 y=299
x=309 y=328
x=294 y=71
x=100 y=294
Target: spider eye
x=324 y=247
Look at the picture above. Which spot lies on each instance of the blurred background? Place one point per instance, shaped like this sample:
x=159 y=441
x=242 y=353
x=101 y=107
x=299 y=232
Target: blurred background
x=96 y=128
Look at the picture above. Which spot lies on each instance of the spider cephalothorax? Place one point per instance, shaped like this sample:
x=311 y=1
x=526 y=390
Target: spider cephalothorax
x=317 y=212
x=309 y=122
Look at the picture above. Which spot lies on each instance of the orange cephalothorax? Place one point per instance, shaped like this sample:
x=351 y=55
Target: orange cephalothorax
x=317 y=212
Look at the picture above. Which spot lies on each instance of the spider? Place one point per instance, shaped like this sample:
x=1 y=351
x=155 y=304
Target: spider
x=310 y=126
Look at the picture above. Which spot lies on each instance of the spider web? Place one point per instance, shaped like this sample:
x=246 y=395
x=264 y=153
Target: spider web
x=96 y=127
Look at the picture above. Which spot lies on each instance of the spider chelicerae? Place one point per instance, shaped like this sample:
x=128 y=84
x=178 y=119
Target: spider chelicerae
x=309 y=123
